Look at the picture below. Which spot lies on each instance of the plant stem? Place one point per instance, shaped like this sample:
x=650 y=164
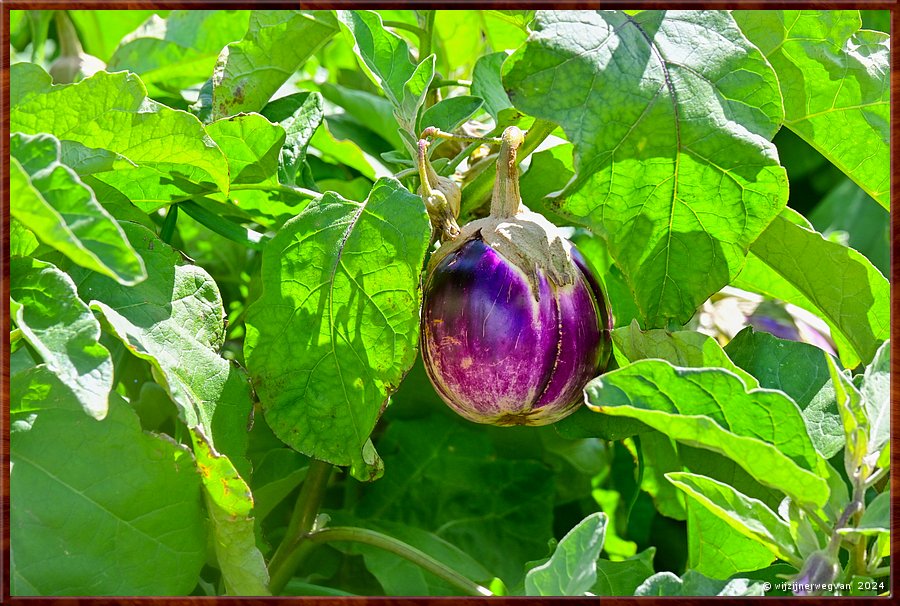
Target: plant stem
x=69 y=44
x=873 y=479
x=168 y=227
x=279 y=187
x=425 y=43
x=443 y=83
x=478 y=191
x=288 y=555
x=418 y=31
x=407 y=552
x=224 y=227
x=880 y=572
x=467 y=150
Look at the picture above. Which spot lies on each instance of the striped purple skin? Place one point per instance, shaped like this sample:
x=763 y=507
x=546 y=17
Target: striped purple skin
x=498 y=355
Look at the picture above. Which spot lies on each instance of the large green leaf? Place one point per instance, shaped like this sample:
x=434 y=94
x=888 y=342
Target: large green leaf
x=100 y=507
x=681 y=348
x=100 y=32
x=799 y=266
x=835 y=80
x=229 y=504
x=136 y=140
x=437 y=473
x=748 y=516
x=572 y=569
x=180 y=50
x=711 y=408
x=252 y=147
x=799 y=370
x=336 y=326
x=61 y=328
x=175 y=321
x=48 y=198
x=671 y=113
x=248 y=72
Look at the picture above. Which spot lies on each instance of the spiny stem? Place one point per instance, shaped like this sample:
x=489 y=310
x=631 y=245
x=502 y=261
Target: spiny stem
x=288 y=555
x=407 y=552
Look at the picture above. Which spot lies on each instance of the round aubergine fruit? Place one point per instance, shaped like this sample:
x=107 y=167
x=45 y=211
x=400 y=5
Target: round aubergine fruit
x=514 y=321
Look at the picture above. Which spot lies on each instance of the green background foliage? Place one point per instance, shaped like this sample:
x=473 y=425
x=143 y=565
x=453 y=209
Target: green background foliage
x=217 y=253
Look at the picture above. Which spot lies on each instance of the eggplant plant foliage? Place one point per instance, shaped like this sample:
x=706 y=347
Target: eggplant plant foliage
x=221 y=228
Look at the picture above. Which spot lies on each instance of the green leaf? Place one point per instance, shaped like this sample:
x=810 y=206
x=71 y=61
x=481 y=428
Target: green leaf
x=622 y=578
x=252 y=146
x=749 y=516
x=661 y=455
x=62 y=330
x=110 y=112
x=180 y=50
x=671 y=113
x=248 y=72
x=487 y=84
x=300 y=115
x=795 y=368
x=572 y=569
x=854 y=420
x=876 y=398
x=449 y=114
x=715 y=548
x=430 y=465
x=175 y=321
x=62 y=211
x=799 y=370
x=585 y=424
x=620 y=299
x=799 y=266
x=335 y=330
x=692 y=583
x=100 y=32
x=847 y=208
x=229 y=504
x=21 y=240
x=385 y=58
x=711 y=408
x=343 y=152
x=384 y=55
x=372 y=111
x=681 y=348
x=835 y=79
x=101 y=507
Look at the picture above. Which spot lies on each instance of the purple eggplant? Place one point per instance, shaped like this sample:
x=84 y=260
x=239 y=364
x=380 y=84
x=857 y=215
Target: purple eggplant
x=514 y=322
